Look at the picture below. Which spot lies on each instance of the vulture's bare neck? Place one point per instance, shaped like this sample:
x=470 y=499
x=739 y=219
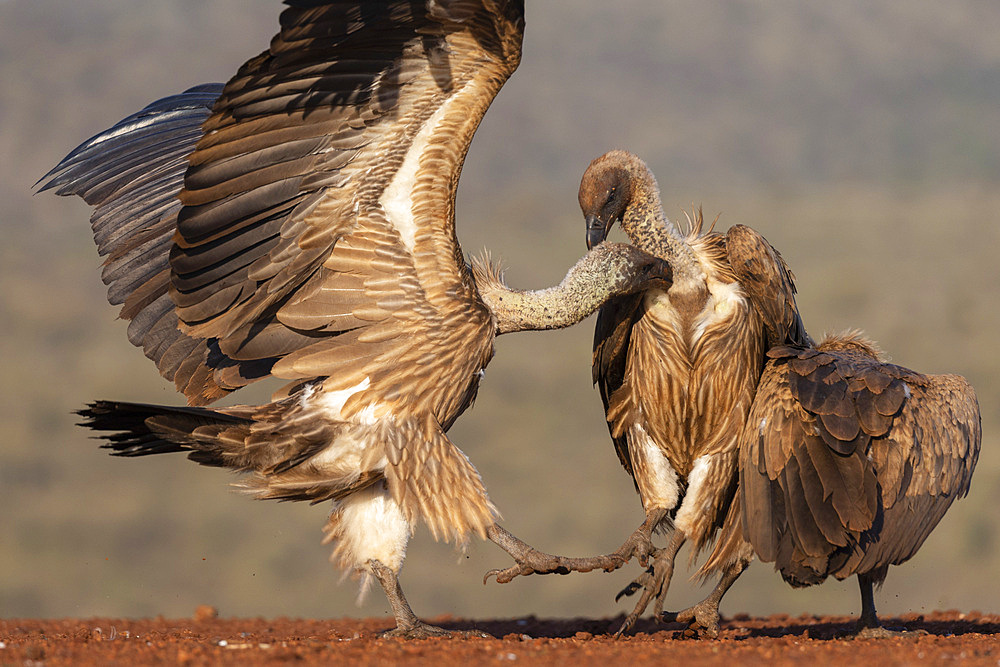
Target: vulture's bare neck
x=649 y=229
x=607 y=271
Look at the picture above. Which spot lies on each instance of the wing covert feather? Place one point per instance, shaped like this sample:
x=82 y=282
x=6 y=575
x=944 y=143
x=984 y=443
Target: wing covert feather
x=319 y=204
x=348 y=132
x=768 y=283
x=914 y=442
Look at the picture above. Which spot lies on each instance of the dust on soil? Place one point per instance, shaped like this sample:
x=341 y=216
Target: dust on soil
x=966 y=638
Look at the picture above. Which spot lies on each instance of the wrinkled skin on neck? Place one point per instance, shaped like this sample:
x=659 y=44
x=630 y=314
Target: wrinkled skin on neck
x=619 y=187
x=607 y=271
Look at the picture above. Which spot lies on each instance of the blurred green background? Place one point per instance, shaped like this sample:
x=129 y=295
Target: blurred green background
x=862 y=138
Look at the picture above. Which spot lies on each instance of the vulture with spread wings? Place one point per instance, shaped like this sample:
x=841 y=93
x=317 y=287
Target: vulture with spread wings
x=298 y=222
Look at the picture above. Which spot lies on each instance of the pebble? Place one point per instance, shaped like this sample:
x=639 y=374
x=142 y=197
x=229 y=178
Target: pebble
x=205 y=612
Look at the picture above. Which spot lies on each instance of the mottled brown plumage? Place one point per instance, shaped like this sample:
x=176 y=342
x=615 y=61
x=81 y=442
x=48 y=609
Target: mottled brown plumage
x=677 y=369
x=847 y=463
x=298 y=222
x=677 y=366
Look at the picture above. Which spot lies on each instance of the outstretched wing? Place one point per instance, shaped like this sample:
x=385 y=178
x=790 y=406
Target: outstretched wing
x=317 y=235
x=131 y=174
x=768 y=283
x=840 y=449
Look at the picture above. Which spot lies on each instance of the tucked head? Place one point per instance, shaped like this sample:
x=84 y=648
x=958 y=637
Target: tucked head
x=607 y=190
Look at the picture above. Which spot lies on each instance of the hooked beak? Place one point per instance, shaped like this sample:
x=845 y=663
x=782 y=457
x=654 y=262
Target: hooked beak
x=597 y=231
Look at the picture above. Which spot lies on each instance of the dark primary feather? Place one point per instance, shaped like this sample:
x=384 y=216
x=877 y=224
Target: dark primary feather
x=132 y=174
x=612 y=335
x=299 y=222
x=259 y=228
x=154 y=136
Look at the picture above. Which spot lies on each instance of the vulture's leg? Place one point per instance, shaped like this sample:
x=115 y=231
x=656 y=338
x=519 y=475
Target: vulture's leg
x=654 y=582
x=869 y=619
x=532 y=561
x=529 y=560
x=703 y=618
x=868 y=625
x=408 y=625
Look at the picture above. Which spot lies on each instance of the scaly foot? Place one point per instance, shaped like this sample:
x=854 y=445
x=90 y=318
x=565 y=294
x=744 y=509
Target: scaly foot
x=536 y=562
x=531 y=561
x=421 y=630
x=408 y=626
x=702 y=619
x=879 y=632
x=653 y=583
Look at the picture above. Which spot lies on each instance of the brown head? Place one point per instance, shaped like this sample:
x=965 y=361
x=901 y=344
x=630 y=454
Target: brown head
x=607 y=190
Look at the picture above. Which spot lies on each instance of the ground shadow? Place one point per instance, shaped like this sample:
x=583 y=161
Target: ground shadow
x=842 y=627
x=554 y=628
x=737 y=628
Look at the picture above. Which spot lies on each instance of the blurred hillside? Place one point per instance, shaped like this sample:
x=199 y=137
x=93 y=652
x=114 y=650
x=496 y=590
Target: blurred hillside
x=860 y=137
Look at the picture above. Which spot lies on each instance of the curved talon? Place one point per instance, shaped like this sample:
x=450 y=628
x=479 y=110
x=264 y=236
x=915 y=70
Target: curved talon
x=636 y=613
x=507 y=575
x=654 y=582
x=421 y=630
x=641 y=555
x=647 y=581
x=503 y=575
x=636 y=584
x=627 y=591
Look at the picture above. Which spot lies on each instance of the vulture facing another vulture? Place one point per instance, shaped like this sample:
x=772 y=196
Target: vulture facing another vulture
x=677 y=366
x=847 y=463
x=298 y=222
x=825 y=459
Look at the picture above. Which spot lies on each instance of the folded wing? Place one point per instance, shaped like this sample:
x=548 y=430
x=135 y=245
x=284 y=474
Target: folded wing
x=847 y=463
x=768 y=283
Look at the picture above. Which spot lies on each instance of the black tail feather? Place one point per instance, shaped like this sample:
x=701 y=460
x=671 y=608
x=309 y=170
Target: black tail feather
x=127 y=427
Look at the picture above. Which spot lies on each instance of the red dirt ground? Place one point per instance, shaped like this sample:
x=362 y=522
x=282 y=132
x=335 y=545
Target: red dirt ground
x=951 y=637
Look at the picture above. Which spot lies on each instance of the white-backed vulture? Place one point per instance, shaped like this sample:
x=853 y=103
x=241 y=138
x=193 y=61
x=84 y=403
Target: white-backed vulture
x=677 y=367
x=298 y=222
x=847 y=463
